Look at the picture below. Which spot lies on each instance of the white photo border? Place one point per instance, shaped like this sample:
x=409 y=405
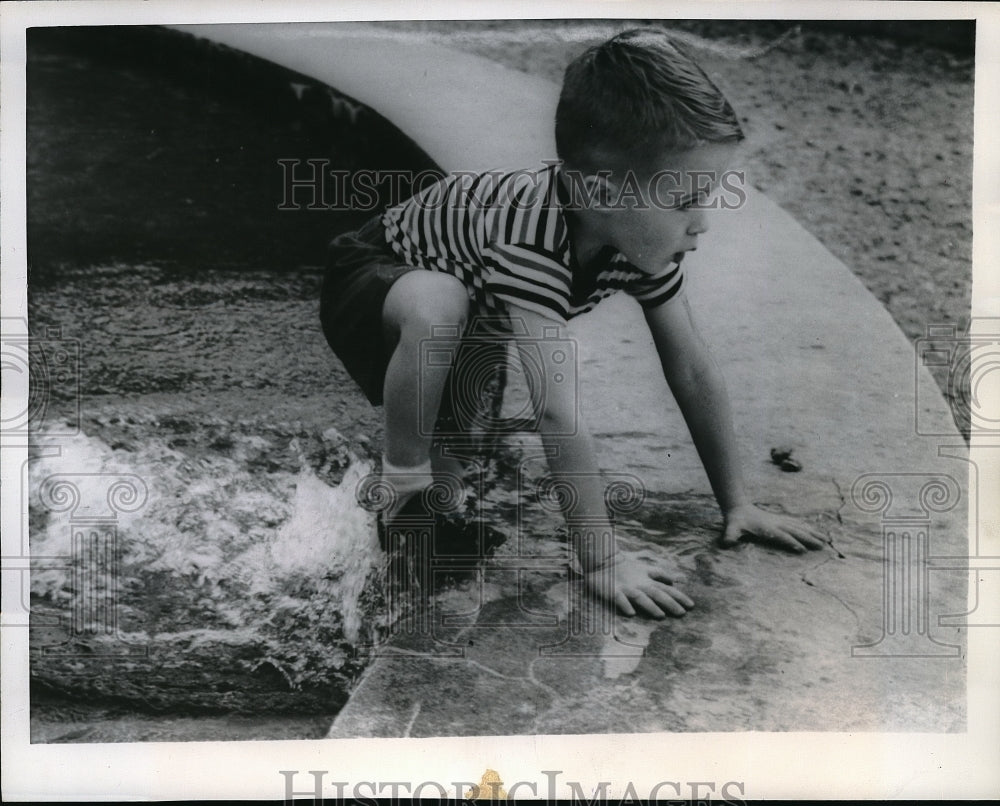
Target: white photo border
x=767 y=765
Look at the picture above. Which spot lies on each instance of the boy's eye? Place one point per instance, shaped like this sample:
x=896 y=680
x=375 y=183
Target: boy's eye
x=695 y=201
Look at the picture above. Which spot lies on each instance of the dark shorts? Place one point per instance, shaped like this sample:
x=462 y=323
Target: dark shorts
x=360 y=270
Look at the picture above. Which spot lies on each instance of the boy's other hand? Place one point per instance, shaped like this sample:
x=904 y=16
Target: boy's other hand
x=639 y=588
x=772 y=527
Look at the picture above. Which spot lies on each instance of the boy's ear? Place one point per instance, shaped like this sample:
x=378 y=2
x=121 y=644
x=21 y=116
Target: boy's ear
x=602 y=191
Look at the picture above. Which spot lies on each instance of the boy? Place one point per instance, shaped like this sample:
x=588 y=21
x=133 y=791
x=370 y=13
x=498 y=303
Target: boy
x=636 y=121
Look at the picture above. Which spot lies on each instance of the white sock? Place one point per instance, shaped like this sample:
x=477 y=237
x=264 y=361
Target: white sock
x=406 y=481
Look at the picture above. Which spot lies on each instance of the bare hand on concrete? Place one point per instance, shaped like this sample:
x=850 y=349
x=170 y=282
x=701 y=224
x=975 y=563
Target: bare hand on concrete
x=635 y=586
x=772 y=527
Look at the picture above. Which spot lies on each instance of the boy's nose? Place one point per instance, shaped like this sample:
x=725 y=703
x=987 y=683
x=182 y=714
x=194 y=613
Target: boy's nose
x=698 y=224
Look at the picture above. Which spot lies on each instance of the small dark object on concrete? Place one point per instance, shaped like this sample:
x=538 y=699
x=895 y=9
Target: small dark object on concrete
x=779 y=455
x=782 y=457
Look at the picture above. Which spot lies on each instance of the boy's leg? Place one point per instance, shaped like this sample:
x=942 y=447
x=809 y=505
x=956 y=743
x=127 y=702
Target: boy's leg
x=416 y=303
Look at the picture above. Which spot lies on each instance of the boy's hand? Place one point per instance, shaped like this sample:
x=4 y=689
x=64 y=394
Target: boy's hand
x=782 y=530
x=639 y=587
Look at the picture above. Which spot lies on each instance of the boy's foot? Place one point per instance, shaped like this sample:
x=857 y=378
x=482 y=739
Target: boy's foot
x=415 y=511
x=410 y=510
x=457 y=540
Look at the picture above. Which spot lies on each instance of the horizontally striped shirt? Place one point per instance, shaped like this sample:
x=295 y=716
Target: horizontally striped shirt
x=506 y=237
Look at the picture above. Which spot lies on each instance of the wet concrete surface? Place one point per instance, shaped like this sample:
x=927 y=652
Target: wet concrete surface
x=767 y=647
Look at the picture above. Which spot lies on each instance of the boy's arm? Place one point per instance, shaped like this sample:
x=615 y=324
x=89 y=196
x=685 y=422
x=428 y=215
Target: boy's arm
x=698 y=386
x=572 y=461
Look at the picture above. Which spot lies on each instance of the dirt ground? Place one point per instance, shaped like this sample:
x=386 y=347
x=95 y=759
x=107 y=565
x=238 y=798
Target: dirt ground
x=153 y=240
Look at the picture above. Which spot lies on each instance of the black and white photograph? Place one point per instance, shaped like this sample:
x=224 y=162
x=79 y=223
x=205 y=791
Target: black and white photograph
x=596 y=403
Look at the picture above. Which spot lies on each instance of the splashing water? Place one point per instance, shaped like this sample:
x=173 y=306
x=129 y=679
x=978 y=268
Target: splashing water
x=329 y=532
x=244 y=541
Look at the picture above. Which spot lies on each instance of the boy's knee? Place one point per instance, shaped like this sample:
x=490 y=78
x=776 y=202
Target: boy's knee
x=421 y=300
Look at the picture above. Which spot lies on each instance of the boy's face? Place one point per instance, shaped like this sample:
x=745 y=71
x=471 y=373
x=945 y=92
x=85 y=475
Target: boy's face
x=659 y=215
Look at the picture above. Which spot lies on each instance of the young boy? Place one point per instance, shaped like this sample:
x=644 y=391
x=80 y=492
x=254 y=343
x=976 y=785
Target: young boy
x=642 y=135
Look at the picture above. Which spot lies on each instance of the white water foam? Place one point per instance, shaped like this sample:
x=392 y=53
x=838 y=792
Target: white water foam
x=210 y=519
x=329 y=532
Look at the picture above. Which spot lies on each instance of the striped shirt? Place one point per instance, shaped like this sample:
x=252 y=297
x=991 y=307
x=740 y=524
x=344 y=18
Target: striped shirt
x=506 y=237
